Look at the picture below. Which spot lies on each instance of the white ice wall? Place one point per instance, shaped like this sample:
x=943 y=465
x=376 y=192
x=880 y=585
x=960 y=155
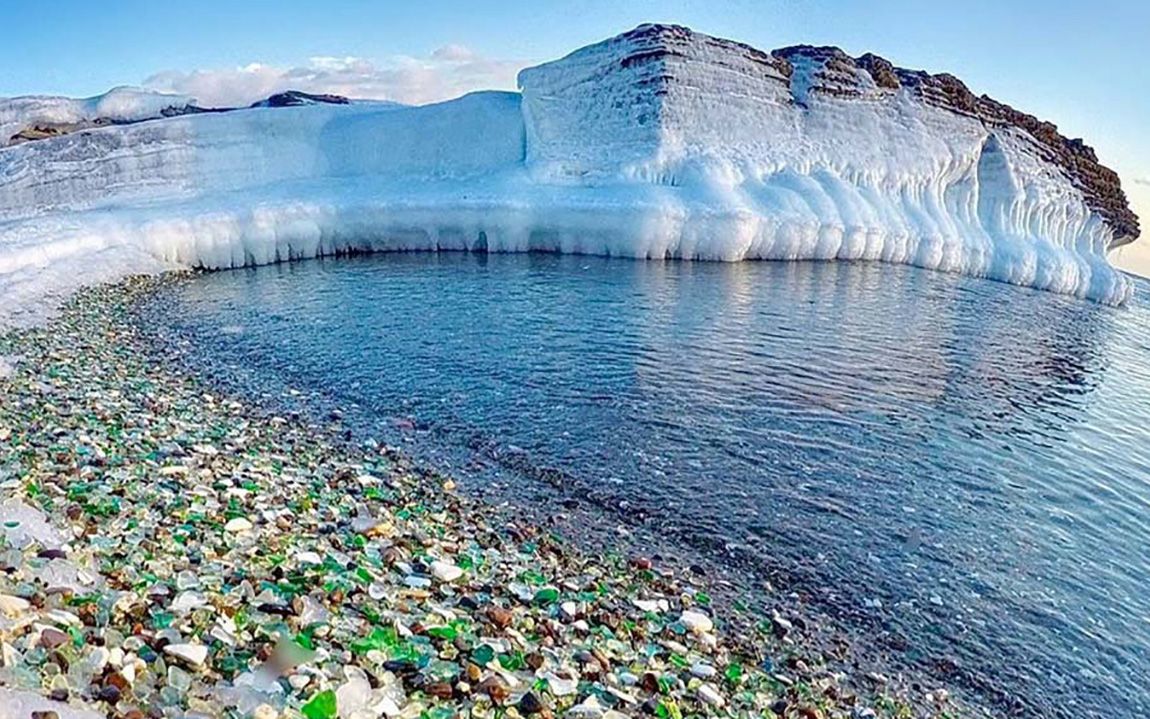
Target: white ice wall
x=872 y=173
x=197 y=155
x=703 y=153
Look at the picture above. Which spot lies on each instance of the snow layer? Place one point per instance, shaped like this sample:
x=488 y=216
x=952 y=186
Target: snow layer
x=702 y=153
x=118 y=105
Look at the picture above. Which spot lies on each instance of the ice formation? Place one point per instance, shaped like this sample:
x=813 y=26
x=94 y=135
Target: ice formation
x=659 y=143
x=119 y=105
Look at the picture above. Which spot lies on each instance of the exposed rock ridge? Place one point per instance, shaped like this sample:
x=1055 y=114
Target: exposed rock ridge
x=296 y=98
x=829 y=71
x=43 y=130
x=654 y=43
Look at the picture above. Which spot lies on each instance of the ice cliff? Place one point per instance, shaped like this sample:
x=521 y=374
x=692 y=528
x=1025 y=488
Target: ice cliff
x=658 y=143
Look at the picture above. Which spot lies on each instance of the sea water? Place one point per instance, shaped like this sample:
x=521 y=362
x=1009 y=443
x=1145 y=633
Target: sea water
x=966 y=463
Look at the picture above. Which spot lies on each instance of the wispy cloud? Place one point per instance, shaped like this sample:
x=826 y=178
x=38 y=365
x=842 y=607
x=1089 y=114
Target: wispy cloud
x=448 y=72
x=1142 y=181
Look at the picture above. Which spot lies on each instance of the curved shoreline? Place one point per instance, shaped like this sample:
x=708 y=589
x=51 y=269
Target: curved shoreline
x=132 y=457
x=762 y=573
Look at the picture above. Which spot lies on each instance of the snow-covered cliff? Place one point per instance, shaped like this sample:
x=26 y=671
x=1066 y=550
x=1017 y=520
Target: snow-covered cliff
x=810 y=153
x=658 y=143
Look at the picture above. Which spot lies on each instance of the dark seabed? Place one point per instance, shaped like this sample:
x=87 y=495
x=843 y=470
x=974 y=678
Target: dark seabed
x=964 y=462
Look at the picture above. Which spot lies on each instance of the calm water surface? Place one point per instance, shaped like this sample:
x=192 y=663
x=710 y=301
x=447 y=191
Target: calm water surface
x=966 y=461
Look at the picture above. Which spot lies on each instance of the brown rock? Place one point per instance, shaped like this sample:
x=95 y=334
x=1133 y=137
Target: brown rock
x=602 y=658
x=116 y=679
x=650 y=682
x=494 y=687
x=610 y=620
x=500 y=617
x=442 y=690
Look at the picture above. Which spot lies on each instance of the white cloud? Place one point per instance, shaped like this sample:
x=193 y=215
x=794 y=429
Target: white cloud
x=454 y=53
x=448 y=72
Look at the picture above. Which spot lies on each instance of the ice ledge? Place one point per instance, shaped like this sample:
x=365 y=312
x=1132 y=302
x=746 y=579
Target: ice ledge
x=660 y=143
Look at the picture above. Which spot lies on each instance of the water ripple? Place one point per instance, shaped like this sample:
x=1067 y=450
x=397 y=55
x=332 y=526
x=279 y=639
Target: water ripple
x=972 y=454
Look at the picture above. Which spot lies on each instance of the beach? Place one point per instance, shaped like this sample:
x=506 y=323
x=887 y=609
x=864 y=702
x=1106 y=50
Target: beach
x=173 y=551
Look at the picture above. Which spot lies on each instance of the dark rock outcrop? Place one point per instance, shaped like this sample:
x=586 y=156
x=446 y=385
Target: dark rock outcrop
x=296 y=98
x=46 y=130
x=655 y=43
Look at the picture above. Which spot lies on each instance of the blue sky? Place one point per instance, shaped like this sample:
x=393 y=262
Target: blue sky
x=1081 y=65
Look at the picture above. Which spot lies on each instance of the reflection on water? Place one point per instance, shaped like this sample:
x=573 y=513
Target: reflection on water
x=963 y=461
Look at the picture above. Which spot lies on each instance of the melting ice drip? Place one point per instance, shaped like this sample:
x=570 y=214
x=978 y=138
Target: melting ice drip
x=659 y=143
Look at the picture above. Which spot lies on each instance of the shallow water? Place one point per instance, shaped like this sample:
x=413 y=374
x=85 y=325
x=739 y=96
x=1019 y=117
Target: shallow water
x=963 y=462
